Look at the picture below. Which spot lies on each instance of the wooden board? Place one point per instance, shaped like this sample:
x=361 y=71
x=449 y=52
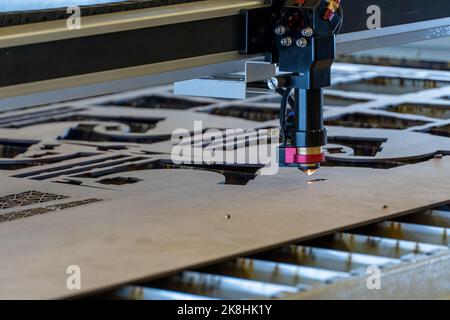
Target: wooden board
x=172 y=219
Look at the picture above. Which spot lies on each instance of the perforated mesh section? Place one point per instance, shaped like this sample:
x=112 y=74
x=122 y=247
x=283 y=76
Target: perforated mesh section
x=27 y=198
x=43 y=210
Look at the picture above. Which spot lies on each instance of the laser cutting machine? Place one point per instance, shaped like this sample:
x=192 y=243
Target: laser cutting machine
x=121 y=46
x=88 y=182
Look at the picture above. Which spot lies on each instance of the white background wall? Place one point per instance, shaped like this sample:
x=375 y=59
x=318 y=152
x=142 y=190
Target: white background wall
x=20 y=5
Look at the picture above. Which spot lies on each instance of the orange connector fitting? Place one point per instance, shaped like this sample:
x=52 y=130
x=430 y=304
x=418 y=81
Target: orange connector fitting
x=333 y=6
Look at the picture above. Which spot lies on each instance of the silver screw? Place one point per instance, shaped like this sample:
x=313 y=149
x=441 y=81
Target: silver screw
x=302 y=42
x=272 y=83
x=307 y=32
x=276 y=82
x=286 y=42
x=280 y=30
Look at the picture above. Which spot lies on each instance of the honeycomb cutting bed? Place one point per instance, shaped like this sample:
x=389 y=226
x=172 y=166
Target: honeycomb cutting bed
x=90 y=182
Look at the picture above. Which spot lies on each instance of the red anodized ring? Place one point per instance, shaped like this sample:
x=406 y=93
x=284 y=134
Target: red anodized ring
x=311 y=158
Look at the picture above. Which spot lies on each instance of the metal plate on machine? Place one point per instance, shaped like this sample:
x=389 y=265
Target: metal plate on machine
x=389 y=131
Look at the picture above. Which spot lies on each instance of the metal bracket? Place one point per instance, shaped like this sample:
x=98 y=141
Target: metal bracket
x=229 y=86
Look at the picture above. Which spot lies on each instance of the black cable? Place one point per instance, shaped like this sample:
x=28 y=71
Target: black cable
x=291 y=101
x=341 y=21
x=282 y=111
x=283 y=108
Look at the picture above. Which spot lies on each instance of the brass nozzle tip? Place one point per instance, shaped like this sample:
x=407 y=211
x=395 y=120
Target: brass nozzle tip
x=309 y=169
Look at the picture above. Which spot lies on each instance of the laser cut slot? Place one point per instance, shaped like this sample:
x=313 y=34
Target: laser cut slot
x=377 y=163
x=86 y=132
x=369 y=121
x=442 y=131
x=368 y=147
x=118 y=181
x=157 y=102
x=10 y=148
x=422 y=109
x=234 y=174
x=390 y=85
x=248 y=112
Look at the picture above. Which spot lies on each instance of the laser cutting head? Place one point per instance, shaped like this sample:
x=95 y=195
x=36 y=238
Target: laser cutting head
x=306 y=160
x=305 y=49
